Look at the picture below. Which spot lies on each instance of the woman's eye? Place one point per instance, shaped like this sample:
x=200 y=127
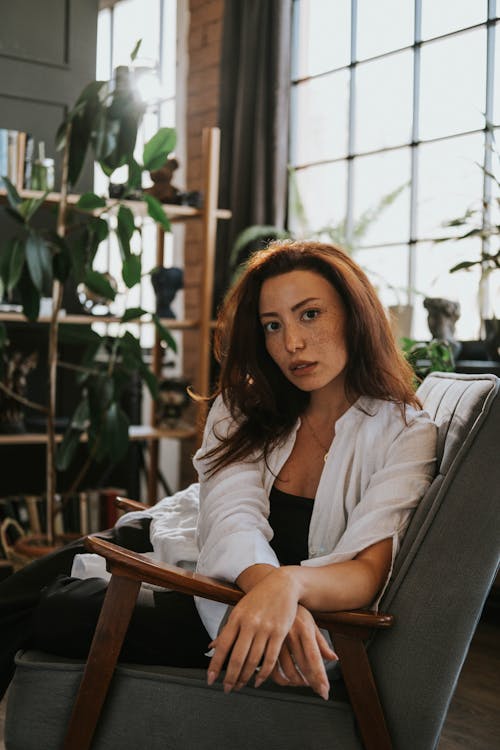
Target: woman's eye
x=310 y=314
x=273 y=325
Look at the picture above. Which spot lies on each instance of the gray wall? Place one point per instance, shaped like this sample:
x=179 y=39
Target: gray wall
x=47 y=55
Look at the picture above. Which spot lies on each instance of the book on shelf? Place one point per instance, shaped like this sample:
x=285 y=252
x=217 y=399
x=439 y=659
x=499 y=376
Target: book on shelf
x=16 y=157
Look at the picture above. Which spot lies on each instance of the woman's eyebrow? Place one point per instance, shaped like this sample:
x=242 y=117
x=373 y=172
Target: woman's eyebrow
x=303 y=302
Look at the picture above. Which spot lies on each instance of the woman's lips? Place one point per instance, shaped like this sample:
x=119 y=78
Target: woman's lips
x=299 y=369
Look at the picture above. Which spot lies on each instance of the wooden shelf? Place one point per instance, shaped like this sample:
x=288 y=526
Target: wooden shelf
x=136 y=433
x=139 y=208
x=208 y=216
x=173 y=324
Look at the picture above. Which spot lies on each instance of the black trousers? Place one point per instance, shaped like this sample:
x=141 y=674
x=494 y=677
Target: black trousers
x=42 y=607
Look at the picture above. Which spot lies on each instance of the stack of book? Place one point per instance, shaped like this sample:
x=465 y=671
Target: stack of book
x=16 y=157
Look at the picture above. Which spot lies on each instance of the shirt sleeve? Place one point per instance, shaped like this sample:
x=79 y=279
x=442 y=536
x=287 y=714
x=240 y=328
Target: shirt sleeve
x=392 y=493
x=233 y=532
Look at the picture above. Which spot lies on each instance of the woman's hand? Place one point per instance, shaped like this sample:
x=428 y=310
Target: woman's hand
x=301 y=657
x=255 y=633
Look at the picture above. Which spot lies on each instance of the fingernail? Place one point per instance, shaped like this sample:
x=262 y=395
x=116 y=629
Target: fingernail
x=258 y=682
x=227 y=688
x=239 y=685
x=211 y=677
x=324 y=693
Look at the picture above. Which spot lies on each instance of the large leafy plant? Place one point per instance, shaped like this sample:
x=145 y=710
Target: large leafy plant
x=104 y=122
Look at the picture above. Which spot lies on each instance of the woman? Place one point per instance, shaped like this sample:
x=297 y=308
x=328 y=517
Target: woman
x=314 y=454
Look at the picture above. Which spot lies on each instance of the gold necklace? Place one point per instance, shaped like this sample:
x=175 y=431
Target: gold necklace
x=315 y=436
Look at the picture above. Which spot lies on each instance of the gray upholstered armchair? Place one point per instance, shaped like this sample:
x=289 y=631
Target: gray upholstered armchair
x=397 y=671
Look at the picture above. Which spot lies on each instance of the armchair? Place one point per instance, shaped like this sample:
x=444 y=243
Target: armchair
x=399 y=679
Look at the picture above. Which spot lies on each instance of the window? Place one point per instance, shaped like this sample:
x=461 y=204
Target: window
x=389 y=105
x=120 y=27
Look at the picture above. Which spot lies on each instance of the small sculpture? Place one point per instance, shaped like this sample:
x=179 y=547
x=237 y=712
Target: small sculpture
x=166 y=283
x=16 y=367
x=442 y=314
x=162 y=189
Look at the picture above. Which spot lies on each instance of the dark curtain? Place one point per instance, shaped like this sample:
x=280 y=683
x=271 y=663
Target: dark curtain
x=254 y=109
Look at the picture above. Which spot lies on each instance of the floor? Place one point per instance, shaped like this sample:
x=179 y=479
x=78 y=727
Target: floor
x=473 y=721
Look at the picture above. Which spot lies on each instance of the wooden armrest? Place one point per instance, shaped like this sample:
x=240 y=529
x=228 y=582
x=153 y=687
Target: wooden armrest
x=133 y=565
x=126 y=504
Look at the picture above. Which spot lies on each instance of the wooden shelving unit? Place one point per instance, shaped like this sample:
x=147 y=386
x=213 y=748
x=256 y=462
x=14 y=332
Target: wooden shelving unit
x=208 y=215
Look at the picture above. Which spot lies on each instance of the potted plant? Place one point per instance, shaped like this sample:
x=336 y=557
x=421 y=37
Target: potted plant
x=481 y=221
x=104 y=121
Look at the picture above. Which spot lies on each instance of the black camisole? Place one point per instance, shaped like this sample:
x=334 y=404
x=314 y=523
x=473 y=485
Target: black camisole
x=289 y=518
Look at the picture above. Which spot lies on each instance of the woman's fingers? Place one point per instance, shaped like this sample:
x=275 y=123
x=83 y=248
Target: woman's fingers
x=289 y=668
x=307 y=656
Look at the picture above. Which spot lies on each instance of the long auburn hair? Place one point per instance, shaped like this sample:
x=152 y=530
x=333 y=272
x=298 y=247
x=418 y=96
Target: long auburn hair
x=263 y=402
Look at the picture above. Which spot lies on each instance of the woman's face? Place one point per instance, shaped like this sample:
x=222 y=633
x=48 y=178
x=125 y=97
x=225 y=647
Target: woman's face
x=304 y=321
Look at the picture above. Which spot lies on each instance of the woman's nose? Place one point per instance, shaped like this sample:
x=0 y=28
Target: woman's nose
x=293 y=339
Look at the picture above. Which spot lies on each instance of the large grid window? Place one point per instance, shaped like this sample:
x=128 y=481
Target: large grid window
x=390 y=101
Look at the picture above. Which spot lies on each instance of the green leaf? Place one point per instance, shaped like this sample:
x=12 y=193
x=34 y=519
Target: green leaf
x=91 y=201
x=150 y=380
x=39 y=261
x=134 y=52
x=125 y=230
x=29 y=207
x=157 y=212
x=164 y=333
x=78 y=334
x=464 y=265
x=99 y=227
x=3 y=335
x=116 y=431
x=12 y=195
x=131 y=270
x=133 y=313
x=130 y=346
x=157 y=149
x=16 y=263
x=80 y=418
x=99 y=284
x=134 y=181
x=30 y=296
x=66 y=451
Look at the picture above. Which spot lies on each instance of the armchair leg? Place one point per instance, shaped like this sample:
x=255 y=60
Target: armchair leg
x=108 y=638
x=363 y=692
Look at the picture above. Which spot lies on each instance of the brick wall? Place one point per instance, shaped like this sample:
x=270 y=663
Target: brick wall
x=202 y=110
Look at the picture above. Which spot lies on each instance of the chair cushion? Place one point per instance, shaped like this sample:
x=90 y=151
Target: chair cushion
x=161 y=707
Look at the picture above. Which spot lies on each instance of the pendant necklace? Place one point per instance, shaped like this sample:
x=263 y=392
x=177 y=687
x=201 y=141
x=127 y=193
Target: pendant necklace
x=315 y=436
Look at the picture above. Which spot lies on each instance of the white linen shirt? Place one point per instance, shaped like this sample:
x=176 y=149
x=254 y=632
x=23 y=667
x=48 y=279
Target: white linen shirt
x=377 y=469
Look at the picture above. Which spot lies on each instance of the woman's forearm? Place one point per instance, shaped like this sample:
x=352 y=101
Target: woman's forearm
x=348 y=585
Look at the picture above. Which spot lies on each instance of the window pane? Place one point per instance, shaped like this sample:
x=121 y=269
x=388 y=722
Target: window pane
x=384 y=100
x=453 y=84
x=169 y=56
x=496 y=108
x=450 y=181
x=437 y=18
x=434 y=280
x=322 y=36
x=320 y=126
x=387 y=269
x=322 y=192
x=376 y=177
x=103 y=62
x=134 y=20
x=383 y=26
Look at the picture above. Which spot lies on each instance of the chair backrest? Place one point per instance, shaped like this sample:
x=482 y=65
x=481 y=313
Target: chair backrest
x=447 y=562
